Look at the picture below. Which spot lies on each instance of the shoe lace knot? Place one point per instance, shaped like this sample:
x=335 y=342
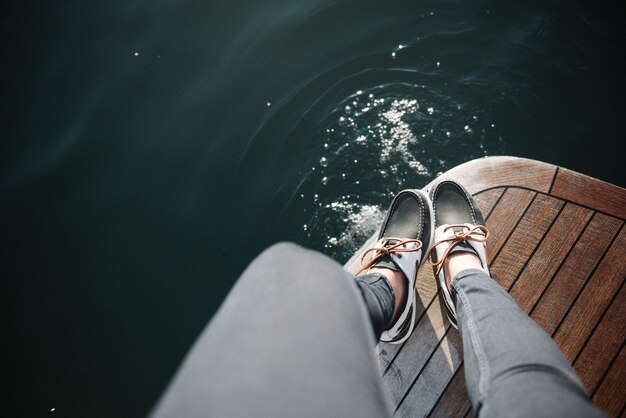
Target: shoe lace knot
x=477 y=233
x=390 y=246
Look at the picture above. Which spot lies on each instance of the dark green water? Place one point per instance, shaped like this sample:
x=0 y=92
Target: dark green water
x=151 y=148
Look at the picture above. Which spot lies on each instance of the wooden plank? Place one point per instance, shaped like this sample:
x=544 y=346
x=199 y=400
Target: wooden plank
x=604 y=344
x=575 y=271
x=454 y=402
x=611 y=394
x=410 y=361
x=426 y=287
x=524 y=239
x=487 y=200
x=505 y=216
x=531 y=283
x=590 y=192
x=592 y=302
x=486 y=173
x=434 y=378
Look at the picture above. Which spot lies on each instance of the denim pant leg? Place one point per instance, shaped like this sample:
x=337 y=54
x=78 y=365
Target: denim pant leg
x=379 y=300
x=512 y=367
x=293 y=338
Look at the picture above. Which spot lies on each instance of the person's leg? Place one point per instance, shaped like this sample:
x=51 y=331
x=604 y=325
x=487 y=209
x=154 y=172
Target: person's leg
x=512 y=367
x=392 y=263
x=292 y=338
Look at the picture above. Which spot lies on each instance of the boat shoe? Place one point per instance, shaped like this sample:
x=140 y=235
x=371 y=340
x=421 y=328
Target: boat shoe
x=459 y=226
x=403 y=243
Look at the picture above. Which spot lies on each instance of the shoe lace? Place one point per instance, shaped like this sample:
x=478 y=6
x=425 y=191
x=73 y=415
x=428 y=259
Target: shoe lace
x=478 y=233
x=391 y=245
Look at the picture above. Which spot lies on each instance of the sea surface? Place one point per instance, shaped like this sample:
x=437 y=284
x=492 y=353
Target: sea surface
x=150 y=149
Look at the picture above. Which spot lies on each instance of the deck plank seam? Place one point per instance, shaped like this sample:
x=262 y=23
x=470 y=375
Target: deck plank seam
x=422 y=315
x=443 y=392
x=556 y=172
x=580 y=291
x=606 y=372
x=532 y=254
x=606 y=309
x=467 y=411
x=497 y=202
x=515 y=186
x=556 y=272
x=508 y=237
x=445 y=334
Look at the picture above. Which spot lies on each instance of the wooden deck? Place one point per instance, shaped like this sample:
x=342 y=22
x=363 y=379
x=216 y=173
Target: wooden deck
x=558 y=244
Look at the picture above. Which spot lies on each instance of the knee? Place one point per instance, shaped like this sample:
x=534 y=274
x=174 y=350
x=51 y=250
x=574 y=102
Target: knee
x=295 y=263
x=282 y=257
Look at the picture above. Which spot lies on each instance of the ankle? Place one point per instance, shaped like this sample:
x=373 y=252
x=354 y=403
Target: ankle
x=459 y=261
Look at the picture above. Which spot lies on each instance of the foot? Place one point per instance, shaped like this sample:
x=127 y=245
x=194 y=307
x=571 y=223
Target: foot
x=402 y=247
x=458 y=261
x=460 y=236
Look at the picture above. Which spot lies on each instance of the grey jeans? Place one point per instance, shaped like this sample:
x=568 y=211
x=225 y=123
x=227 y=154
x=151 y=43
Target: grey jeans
x=294 y=338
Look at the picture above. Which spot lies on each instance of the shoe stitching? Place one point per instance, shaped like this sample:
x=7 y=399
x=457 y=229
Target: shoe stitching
x=393 y=207
x=434 y=200
x=435 y=192
x=420 y=231
x=394 y=204
x=464 y=195
x=396 y=201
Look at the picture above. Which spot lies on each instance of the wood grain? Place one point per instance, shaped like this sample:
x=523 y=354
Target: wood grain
x=548 y=257
x=414 y=356
x=604 y=344
x=574 y=272
x=454 y=402
x=505 y=216
x=524 y=239
x=593 y=300
x=611 y=394
x=434 y=378
x=487 y=200
x=587 y=191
